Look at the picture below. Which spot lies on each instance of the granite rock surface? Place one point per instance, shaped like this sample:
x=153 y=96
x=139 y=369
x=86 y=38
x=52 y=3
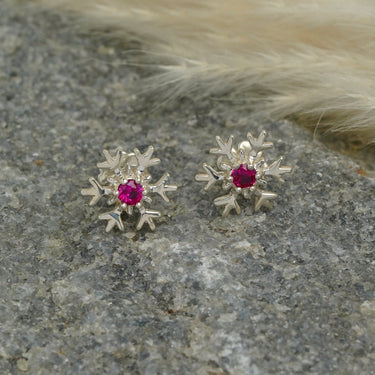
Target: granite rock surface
x=282 y=291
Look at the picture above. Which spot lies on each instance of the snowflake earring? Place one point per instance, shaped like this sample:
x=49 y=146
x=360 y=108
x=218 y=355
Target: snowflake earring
x=125 y=180
x=242 y=171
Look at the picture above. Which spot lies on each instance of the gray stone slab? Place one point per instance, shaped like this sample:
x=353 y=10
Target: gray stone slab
x=283 y=291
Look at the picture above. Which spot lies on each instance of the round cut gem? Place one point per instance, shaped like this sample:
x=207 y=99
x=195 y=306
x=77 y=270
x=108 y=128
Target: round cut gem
x=243 y=177
x=130 y=193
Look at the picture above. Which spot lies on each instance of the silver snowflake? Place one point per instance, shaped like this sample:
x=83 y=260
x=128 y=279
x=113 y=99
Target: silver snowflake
x=126 y=182
x=242 y=171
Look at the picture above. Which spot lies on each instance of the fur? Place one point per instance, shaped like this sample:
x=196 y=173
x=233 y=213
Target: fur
x=313 y=60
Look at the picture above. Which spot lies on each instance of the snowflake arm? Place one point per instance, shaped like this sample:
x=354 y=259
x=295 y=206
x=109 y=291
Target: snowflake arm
x=263 y=198
x=211 y=176
x=230 y=203
x=112 y=162
x=97 y=191
x=225 y=148
x=258 y=144
x=161 y=187
x=114 y=218
x=276 y=170
x=146 y=217
x=145 y=160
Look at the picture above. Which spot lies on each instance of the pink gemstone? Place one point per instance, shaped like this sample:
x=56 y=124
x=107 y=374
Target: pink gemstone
x=130 y=193
x=243 y=177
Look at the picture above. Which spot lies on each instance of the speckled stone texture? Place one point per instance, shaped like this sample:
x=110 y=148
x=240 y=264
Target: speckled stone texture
x=285 y=291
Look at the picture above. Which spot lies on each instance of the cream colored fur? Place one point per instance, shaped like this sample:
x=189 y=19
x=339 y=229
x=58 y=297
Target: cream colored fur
x=310 y=59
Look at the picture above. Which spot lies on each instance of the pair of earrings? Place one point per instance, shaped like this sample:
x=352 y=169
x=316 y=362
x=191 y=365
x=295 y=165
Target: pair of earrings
x=126 y=183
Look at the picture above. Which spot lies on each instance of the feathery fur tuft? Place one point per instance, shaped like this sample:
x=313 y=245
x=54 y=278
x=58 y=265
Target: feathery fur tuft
x=310 y=59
